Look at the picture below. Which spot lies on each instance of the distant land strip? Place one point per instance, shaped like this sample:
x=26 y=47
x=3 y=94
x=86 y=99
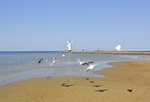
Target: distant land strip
x=136 y=52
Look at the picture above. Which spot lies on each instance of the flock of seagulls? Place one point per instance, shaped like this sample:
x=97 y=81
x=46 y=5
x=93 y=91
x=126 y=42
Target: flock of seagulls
x=50 y=63
x=90 y=64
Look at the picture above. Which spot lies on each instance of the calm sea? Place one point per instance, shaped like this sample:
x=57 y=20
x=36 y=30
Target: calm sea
x=20 y=65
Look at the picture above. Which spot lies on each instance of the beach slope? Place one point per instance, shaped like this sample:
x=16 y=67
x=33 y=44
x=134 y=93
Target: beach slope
x=125 y=82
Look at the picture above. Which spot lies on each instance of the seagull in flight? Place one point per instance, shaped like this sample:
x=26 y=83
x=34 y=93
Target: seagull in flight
x=40 y=60
x=90 y=67
x=51 y=63
x=84 y=63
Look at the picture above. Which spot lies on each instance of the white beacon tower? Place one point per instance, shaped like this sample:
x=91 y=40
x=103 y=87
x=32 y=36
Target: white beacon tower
x=69 y=45
x=118 y=47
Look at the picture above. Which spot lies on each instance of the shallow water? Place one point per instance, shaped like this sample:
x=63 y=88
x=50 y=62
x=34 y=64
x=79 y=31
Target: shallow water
x=16 y=66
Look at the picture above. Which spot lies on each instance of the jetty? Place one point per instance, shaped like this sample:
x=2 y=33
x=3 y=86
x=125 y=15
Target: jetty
x=133 y=52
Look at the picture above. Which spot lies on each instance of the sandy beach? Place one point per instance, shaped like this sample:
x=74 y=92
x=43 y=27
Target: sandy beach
x=125 y=82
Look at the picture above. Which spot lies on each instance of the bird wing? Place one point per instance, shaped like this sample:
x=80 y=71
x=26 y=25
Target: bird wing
x=79 y=61
x=91 y=67
x=48 y=61
x=40 y=60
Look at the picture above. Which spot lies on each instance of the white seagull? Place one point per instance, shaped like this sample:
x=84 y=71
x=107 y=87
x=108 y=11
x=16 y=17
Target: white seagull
x=84 y=63
x=51 y=63
x=91 y=66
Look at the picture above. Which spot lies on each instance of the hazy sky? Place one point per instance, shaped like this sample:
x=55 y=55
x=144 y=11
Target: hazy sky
x=31 y=25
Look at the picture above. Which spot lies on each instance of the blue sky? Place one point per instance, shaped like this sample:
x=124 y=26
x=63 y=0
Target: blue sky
x=35 y=25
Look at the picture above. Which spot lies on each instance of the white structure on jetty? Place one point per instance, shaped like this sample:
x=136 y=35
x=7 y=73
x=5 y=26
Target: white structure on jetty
x=118 y=47
x=69 y=45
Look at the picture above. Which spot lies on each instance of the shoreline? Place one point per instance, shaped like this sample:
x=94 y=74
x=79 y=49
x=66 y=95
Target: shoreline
x=120 y=77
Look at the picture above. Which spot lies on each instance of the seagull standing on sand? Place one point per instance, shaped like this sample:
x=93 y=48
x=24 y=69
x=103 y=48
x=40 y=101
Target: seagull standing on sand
x=90 y=67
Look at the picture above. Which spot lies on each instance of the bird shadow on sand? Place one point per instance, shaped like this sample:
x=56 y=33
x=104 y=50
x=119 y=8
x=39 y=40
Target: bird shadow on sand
x=91 y=81
x=97 y=85
x=101 y=90
x=129 y=90
x=66 y=85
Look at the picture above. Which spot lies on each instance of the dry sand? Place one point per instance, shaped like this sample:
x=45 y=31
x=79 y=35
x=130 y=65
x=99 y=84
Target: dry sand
x=124 y=75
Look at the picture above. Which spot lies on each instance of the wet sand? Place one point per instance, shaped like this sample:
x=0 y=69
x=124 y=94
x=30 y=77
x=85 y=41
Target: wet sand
x=125 y=82
x=146 y=56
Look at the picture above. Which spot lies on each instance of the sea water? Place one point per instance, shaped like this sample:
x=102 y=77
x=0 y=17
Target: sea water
x=20 y=65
